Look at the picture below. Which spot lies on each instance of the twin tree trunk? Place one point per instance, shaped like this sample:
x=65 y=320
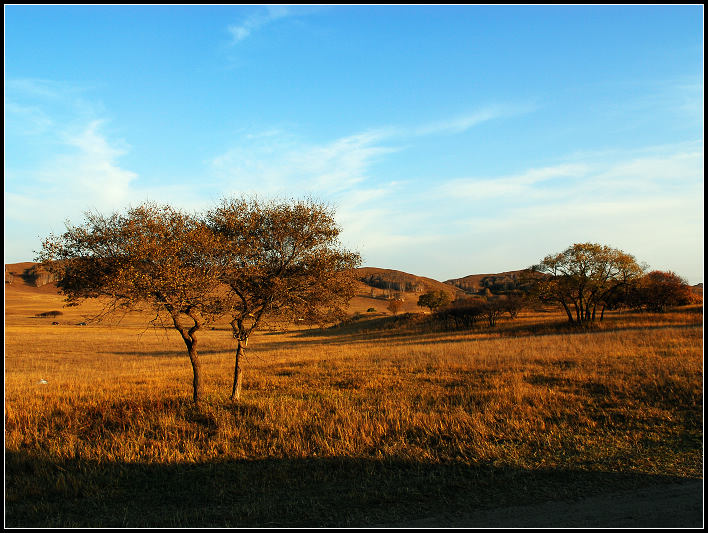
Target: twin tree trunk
x=190 y=340
x=191 y=343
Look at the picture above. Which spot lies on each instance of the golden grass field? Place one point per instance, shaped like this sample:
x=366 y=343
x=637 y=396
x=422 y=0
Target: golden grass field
x=374 y=422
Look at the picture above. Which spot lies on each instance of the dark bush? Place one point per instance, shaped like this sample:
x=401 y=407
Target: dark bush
x=49 y=314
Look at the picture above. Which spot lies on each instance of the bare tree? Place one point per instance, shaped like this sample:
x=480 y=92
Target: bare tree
x=152 y=257
x=281 y=260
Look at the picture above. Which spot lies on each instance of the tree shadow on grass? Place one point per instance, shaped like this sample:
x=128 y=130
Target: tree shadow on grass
x=327 y=492
x=394 y=331
x=176 y=352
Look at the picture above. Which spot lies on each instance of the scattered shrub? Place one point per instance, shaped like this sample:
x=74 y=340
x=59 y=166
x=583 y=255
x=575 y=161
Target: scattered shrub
x=49 y=314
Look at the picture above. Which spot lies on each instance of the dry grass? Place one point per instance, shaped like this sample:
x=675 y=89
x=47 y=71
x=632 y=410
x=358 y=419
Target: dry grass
x=348 y=426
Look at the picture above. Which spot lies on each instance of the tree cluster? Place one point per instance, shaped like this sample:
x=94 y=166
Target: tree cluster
x=585 y=279
x=464 y=313
x=656 y=292
x=246 y=260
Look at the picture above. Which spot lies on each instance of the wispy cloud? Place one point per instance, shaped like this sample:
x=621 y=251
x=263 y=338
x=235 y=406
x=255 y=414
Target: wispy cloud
x=26 y=119
x=519 y=185
x=464 y=122
x=275 y=160
x=255 y=21
x=377 y=214
x=62 y=162
x=86 y=174
x=279 y=163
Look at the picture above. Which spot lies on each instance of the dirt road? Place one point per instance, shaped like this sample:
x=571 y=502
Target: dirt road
x=675 y=505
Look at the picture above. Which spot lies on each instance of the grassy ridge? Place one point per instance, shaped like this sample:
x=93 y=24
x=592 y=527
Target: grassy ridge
x=345 y=427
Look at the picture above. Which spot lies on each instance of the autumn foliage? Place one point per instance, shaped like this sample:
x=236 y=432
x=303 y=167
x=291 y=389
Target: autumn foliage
x=659 y=290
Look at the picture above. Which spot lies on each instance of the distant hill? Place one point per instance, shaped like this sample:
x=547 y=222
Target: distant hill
x=29 y=275
x=384 y=280
x=496 y=283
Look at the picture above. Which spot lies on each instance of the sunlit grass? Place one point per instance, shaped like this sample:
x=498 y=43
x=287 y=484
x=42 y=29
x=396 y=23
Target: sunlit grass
x=528 y=396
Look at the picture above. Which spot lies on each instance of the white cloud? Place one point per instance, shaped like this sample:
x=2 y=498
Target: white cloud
x=253 y=22
x=276 y=162
x=458 y=124
x=62 y=162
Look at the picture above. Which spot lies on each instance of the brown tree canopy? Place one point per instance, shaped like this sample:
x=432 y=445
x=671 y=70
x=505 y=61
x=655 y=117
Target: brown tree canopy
x=151 y=257
x=658 y=290
x=583 y=277
x=281 y=260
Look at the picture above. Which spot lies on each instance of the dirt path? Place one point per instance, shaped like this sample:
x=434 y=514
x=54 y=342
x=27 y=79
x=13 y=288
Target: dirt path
x=676 y=505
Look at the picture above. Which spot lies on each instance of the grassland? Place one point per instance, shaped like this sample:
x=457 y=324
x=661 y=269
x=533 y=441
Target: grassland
x=381 y=421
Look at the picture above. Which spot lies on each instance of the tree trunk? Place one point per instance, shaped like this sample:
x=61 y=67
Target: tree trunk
x=567 y=311
x=190 y=340
x=196 y=370
x=238 y=370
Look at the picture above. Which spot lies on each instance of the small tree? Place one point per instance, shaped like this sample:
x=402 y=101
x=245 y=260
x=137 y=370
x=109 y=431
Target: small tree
x=434 y=300
x=279 y=260
x=512 y=304
x=395 y=305
x=492 y=310
x=152 y=257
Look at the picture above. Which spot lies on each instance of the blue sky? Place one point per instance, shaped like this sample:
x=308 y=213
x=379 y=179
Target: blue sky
x=451 y=140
